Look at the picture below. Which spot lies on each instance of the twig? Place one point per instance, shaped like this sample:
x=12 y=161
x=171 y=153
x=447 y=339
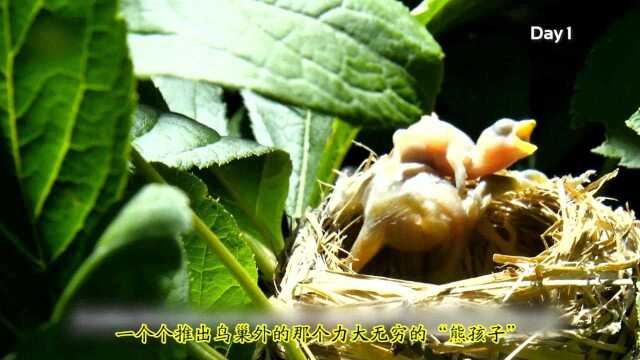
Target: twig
x=521 y=347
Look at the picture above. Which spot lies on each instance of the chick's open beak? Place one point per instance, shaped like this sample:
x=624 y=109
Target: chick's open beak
x=523 y=132
x=524 y=129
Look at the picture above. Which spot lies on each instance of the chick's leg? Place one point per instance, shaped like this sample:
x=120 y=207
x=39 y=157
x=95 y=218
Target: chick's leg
x=367 y=245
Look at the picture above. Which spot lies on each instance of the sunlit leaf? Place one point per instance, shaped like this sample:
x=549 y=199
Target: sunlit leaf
x=315 y=142
x=367 y=61
x=65 y=104
x=198 y=100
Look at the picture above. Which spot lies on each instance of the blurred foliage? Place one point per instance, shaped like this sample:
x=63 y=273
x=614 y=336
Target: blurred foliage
x=145 y=235
x=608 y=89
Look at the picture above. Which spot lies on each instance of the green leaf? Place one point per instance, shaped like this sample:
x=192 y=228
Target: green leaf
x=254 y=190
x=621 y=143
x=235 y=123
x=429 y=9
x=250 y=179
x=198 y=100
x=608 y=90
x=182 y=143
x=66 y=96
x=634 y=122
x=211 y=285
x=315 y=142
x=367 y=61
x=441 y=15
x=144 y=237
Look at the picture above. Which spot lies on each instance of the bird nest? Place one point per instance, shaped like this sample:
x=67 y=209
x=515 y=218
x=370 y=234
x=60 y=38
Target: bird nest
x=554 y=247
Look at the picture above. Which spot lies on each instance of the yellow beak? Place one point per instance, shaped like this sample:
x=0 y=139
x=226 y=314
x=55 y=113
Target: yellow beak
x=523 y=131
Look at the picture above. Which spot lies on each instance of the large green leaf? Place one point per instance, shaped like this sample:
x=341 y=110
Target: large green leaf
x=211 y=285
x=66 y=96
x=198 y=100
x=250 y=179
x=608 y=89
x=363 y=60
x=316 y=143
x=137 y=255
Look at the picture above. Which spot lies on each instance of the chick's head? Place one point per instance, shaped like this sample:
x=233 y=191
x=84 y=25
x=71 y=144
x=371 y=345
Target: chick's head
x=501 y=145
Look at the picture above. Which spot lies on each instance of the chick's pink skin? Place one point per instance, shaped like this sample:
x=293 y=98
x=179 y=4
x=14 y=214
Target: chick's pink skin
x=450 y=152
x=495 y=151
x=410 y=207
x=408 y=211
x=428 y=141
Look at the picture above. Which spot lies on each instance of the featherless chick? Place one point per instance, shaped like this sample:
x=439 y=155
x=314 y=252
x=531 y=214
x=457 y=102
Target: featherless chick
x=406 y=199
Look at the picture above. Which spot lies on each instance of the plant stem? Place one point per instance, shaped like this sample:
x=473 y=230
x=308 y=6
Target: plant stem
x=204 y=352
x=293 y=351
x=145 y=169
x=71 y=287
x=265 y=259
x=227 y=258
x=204 y=232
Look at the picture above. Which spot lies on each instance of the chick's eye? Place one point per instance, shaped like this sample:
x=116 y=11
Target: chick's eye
x=503 y=127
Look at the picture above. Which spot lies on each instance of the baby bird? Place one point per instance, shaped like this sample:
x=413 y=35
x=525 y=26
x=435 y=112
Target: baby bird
x=409 y=208
x=450 y=152
x=409 y=205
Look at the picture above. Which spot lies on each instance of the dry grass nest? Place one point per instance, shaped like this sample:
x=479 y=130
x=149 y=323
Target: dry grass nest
x=555 y=245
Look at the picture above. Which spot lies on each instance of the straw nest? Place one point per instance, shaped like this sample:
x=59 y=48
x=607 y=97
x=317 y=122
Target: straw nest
x=553 y=244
